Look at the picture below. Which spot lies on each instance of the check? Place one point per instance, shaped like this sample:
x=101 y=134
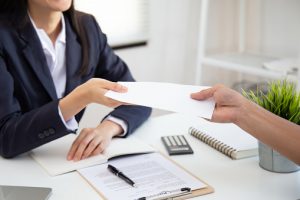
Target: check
x=165 y=96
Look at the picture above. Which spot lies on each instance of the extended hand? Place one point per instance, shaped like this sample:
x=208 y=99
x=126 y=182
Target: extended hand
x=95 y=89
x=229 y=103
x=92 y=91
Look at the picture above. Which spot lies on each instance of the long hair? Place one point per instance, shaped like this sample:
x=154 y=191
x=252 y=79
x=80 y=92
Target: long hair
x=18 y=10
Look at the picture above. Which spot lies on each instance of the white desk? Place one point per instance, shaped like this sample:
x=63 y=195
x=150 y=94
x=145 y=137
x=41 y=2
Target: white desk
x=231 y=179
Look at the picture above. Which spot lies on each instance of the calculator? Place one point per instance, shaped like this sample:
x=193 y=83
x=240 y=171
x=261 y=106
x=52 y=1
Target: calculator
x=176 y=145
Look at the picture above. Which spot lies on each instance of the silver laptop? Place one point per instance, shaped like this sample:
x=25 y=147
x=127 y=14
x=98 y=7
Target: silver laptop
x=24 y=193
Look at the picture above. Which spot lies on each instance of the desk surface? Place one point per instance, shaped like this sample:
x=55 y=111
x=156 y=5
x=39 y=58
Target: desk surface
x=232 y=179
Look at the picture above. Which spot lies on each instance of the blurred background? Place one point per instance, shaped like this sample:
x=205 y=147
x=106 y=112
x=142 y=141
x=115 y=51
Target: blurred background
x=239 y=43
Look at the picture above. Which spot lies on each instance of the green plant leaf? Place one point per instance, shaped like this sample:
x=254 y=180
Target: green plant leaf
x=280 y=99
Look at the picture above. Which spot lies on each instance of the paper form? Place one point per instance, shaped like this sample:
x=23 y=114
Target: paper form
x=166 y=96
x=151 y=172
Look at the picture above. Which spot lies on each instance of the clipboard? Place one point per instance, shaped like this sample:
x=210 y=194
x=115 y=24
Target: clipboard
x=89 y=174
x=194 y=193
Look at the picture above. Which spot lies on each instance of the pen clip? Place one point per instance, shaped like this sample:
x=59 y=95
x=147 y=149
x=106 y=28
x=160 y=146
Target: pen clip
x=168 y=195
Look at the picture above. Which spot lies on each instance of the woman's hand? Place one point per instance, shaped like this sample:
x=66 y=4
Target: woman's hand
x=95 y=89
x=230 y=105
x=92 y=91
x=93 y=141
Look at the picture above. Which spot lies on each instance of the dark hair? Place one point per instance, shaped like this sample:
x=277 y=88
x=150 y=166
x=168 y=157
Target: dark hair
x=18 y=9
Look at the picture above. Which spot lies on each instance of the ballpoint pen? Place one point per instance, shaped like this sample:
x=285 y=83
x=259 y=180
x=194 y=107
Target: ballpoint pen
x=121 y=175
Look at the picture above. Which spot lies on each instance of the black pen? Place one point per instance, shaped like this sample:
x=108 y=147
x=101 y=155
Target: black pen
x=120 y=174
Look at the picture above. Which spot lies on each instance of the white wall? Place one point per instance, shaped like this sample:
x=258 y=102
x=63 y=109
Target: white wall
x=173 y=24
x=272 y=28
x=170 y=55
x=281 y=27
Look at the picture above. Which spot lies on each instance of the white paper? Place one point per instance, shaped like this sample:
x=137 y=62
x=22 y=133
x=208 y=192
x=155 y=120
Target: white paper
x=166 y=96
x=53 y=156
x=152 y=173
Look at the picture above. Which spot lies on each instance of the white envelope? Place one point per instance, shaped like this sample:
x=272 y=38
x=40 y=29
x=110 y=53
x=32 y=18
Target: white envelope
x=165 y=96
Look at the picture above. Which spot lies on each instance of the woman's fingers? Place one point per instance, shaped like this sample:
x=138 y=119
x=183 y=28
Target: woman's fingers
x=80 y=144
x=111 y=102
x=90 y=142
x=76 y=143
x=94 y=144
x=118 y=87
x=101 y=147
x=82 y=147
x=97 y=146
x=112 y=86
x=98 y=87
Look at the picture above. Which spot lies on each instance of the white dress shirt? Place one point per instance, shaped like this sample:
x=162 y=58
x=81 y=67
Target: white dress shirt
x=56 y=59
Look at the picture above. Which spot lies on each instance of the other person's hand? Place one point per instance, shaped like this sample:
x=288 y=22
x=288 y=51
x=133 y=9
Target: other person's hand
x=229 y=103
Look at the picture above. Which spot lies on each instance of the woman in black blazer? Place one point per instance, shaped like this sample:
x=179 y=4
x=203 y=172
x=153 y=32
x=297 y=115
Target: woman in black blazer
x=54 y=61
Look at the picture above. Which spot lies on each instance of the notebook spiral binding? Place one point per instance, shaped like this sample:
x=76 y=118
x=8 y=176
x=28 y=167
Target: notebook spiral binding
x=214 y=143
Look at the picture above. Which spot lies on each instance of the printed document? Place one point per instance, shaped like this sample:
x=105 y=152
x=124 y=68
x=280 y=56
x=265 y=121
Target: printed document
x=152 y=173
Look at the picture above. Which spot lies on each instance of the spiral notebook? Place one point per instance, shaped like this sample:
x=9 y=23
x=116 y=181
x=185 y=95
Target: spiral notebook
x=227 y=138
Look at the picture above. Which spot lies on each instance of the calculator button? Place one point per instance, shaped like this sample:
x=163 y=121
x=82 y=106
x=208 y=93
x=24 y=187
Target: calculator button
x=167 y=141
x=177 y=140
x=182 y=139
x=172 y=141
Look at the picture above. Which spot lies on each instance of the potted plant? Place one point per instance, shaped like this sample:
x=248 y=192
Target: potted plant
x=282 y=99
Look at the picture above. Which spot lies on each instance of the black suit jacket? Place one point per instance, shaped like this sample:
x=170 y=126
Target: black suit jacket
x=28 y=103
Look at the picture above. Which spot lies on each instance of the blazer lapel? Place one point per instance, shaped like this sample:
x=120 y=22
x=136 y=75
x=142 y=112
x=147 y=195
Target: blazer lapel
x=73 y=58
x=34 y=54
